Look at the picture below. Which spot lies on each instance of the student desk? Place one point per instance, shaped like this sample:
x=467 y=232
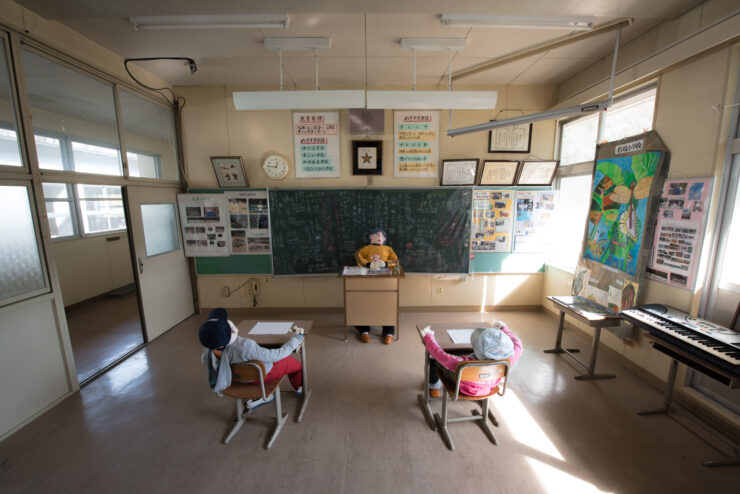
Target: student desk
x=592 y=314
x=371 y=299
x=446 y=343
x=277 y=340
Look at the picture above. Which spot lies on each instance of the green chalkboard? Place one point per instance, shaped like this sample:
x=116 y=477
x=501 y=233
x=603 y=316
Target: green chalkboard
x=317 y=231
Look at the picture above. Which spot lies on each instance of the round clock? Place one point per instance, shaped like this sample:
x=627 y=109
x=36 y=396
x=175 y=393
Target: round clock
x=275 y=166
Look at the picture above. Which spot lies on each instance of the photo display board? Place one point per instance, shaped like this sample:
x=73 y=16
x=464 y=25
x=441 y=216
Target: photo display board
x=492 y=220
x=316 y=144
x=204 y=221
x=249 y=222
x=416 y=152
x=533 y=213
x=679 y=231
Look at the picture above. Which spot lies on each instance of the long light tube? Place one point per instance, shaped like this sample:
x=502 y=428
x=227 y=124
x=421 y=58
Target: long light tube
x=236 y=21
x=518 y=21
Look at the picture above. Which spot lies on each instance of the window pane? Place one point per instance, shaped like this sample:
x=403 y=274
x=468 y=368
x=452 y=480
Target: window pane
x=85 y=191
x=10 y=152
x=101 y=208
x=150 y=131
x=160 y=228
x=49 y=151
x=65 y=102
x=629 y=117
x=730 y=271
x=569 y=221
x=20 y=264
x=578 y=140
x=60 y=219
x=89 y=158
x=55 y=191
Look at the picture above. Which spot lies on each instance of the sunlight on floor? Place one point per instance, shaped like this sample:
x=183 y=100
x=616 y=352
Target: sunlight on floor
x=556 y=481
x=522 y=425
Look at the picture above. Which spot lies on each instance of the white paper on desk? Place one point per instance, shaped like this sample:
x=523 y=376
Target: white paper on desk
x=354 y=271
x=271 y=328
x=460 y=336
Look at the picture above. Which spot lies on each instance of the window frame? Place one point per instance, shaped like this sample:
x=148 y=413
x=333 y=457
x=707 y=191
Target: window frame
x=77 y=220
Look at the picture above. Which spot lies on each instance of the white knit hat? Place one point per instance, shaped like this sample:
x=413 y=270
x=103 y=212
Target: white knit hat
x=491 y=344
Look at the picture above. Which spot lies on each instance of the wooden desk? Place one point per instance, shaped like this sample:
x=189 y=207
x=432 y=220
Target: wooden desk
x=277 y=340
x=593 y=315
x=446 y=343
x=371 y=300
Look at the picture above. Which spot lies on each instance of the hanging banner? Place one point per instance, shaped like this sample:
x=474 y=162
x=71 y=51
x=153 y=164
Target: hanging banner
x=204 y=221
x=416 y=150
x=316 y=144
x=249 y=222
x=492 y=221
x=682 y=219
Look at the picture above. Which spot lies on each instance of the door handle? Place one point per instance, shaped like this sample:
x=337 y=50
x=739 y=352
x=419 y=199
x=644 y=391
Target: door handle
x=141 y=266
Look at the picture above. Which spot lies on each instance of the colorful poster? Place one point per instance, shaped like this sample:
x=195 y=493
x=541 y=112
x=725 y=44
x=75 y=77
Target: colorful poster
x=534 y=210
x=416 y=152
x=204 y=222
x=682 y=217
x=618 y=211
x=249 y=222
x=492 y=221
x=316 y=144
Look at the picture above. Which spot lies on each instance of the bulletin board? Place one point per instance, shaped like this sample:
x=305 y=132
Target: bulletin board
x=416 y=138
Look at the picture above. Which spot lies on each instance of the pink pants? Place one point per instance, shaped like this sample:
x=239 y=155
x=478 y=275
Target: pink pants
x=289 y=366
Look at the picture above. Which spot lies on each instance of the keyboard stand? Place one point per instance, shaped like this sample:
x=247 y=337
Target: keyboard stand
x=677 y=354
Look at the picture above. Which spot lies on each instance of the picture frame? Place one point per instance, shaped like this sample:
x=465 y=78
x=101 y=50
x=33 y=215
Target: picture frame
x=511 y=139
x=459 y=172
x=537 y=172
x=367 y=157
x=498 y=172
x=229 y=171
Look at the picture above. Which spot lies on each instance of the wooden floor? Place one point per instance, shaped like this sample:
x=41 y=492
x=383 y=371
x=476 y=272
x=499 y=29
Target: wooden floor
x=152 y=425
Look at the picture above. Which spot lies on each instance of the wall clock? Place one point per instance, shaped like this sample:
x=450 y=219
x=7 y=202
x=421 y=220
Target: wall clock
x=275 y=166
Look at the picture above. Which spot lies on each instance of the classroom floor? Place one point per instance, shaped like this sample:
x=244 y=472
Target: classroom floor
x=152 y=425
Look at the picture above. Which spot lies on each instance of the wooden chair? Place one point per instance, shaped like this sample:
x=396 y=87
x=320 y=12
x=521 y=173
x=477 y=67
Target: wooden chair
x=248 y=383
x=471 y=371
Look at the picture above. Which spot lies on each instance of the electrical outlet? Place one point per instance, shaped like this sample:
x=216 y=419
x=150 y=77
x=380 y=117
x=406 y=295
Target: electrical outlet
x=267 y=279
x=440 y=290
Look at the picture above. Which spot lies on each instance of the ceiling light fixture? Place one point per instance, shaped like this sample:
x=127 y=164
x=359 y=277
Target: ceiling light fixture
x=236 y=21
x=517 y=21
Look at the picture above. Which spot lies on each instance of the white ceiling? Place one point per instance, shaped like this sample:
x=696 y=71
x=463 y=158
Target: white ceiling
x=365 y=39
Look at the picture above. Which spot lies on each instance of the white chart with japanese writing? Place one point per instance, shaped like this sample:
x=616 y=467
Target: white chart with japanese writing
x=316 y=144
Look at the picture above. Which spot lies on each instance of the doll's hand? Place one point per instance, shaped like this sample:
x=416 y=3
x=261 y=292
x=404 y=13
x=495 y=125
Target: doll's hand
x=375 y=257
x=297 y=330
x=498 y=324
x=426 y=331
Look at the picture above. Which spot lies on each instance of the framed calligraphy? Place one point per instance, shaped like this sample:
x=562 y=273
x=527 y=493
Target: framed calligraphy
x=229 y=171
x=512 y=139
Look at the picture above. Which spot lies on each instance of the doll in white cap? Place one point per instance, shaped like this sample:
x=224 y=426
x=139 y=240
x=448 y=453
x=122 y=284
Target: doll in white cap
x=494 y=343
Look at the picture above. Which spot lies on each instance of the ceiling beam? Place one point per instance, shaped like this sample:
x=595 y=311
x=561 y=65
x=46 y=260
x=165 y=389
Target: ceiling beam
x=541 y=47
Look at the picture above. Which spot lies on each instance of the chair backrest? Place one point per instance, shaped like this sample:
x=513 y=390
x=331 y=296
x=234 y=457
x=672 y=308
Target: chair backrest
x=249 y=373
x=482 y=370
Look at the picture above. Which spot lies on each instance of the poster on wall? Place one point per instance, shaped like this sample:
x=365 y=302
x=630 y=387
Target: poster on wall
x=533 y=213
x=627 y=183
x=249 y=222
x=492 y=221
x=316 y=144
x=204 y=221
x=679 y=231
x=416 y=150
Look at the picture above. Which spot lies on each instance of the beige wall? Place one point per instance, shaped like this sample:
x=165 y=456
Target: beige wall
x=212 y=127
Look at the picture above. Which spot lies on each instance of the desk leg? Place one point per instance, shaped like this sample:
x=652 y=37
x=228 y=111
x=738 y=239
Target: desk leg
x=592 y=364
x=306 y=388
x=666 y=408
x=424 y=398
x=724 y=462
x=559 y=338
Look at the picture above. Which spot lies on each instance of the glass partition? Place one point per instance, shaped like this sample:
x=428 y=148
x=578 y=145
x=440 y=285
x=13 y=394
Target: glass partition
x=10 y=152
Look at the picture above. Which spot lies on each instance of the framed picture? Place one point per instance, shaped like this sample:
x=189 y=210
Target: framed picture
x=498 y=173
x=537 y=172
x=229 y=171
x=459 y=172
x=367 y=157
x=512 y=139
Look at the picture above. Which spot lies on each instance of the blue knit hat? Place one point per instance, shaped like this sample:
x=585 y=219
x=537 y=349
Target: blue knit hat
x=215 y=332
x=491 y=344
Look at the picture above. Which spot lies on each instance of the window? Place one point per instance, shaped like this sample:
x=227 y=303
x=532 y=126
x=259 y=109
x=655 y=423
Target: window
x=630 y=115
x=160 y=228
x=101 y=208
x=59 y=210
x=21 y=271
x=10 y=151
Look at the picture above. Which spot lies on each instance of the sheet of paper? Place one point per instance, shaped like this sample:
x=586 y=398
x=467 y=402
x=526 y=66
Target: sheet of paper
x=460 y=336
x=271 y=327
x=354 y=271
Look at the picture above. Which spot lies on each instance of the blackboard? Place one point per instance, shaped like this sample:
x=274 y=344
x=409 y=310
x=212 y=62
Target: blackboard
x=317 y=231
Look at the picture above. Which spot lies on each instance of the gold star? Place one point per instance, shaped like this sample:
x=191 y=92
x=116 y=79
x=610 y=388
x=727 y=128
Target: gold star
x=366 y=158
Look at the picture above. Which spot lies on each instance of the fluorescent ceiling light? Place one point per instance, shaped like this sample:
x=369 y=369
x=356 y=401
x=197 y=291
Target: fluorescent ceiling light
x=297 y=44
x=535 y=117
x=433 y=44
x=431 y=100
x=236 y=21
x=518 y=21
x=298 y=100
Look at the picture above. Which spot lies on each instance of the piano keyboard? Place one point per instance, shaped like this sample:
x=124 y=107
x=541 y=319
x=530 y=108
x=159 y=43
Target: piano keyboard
x=718 y=341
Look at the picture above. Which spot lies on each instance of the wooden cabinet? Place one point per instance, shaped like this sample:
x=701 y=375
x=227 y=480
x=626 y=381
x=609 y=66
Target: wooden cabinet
x=371 y=300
